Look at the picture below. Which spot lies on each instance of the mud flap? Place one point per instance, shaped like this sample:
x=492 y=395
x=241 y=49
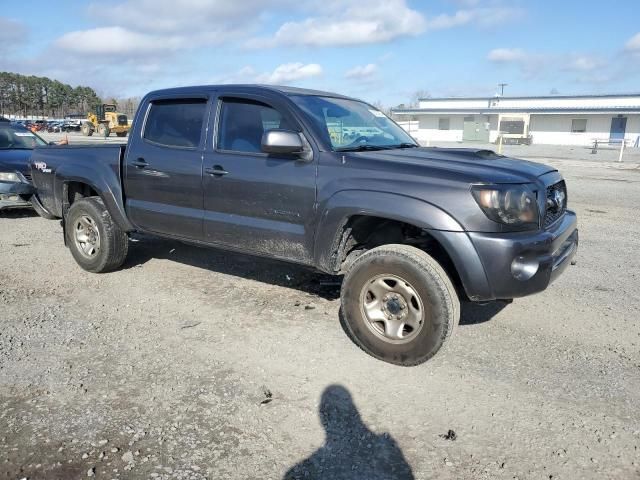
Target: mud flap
x=63 y=224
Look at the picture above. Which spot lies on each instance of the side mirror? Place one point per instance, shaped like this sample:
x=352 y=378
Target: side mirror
x=282 y=142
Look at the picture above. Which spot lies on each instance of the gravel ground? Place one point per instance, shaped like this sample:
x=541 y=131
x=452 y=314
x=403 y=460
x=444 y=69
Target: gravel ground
x=191 y=363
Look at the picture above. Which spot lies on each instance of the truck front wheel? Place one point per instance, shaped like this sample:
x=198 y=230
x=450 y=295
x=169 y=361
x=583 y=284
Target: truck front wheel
x=398 y=304
x=96 y=242
x=103 y=130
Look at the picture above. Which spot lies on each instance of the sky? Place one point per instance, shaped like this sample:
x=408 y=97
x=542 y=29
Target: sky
x=379 y=50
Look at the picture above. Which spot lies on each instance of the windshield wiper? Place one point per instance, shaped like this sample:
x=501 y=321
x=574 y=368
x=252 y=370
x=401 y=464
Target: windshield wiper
x=404 y=145
x=361 y=148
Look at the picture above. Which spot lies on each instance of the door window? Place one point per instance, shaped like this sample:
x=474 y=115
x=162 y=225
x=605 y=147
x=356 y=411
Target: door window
x=176 y=123
x=243 y=122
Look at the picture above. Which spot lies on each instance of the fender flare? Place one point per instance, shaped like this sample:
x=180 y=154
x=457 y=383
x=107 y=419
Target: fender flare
x=104 y=182
x=452 y=237
x=339 y=208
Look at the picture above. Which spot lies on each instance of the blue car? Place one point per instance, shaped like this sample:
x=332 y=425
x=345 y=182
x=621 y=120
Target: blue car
x=16 y=146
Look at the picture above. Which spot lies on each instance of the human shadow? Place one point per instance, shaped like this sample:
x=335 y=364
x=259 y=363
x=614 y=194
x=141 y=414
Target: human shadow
x=351 y=451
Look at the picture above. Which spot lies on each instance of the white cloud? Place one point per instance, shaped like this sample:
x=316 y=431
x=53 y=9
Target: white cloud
x=584 y=63
x=348 y=22
x=506 y=55
x=285 y=73
x=290 y=72
x=113 y=41
x=484 y=17
x=633 y=44
x=587 y=68
x=139 y=27
x=362 y=72
x=184 y=16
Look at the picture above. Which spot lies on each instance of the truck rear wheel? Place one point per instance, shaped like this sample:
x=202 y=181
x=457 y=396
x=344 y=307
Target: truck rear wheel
x=398 y=304
x=121 y=134
x=96 y=242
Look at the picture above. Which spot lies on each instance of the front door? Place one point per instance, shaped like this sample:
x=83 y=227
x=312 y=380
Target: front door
x=618 y=129
x=254 y=201
x=163 y=171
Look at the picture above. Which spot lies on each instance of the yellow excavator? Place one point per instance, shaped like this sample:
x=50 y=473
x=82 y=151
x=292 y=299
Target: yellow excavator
x=105 y=120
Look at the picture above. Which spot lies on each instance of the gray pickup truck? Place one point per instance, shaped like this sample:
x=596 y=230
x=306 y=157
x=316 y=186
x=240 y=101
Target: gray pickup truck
x=325 y=181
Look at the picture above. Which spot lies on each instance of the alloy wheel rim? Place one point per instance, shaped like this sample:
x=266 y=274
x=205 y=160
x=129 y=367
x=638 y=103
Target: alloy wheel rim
x=87 y=236
x=392 y=308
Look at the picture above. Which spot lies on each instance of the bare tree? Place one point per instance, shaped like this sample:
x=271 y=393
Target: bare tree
x=417 y=96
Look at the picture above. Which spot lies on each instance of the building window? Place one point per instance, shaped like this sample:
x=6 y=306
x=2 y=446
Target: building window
x=443 y=124
x=578 y=125
x=514 y=127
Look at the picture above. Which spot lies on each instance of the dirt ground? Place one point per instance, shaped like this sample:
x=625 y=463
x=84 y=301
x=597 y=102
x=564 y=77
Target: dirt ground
x=191 y=363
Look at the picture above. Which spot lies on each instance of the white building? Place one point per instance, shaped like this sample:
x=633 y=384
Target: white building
x=556 y=120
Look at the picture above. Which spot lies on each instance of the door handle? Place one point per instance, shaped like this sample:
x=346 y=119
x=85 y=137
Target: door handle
x=139 y=163
x=216 y=171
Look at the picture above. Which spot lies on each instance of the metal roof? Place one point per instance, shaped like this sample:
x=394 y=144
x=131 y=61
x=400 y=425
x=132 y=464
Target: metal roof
x=488 y=111
x=541 y=97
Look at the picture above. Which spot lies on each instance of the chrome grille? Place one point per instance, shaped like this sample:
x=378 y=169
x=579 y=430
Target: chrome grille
x=27 y=176
x=555 y=204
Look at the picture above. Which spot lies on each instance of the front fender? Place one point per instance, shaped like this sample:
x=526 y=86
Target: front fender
x=343 y=205
x=337 y=210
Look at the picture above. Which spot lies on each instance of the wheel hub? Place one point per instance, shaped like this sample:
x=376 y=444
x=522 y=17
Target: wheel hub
x=394 y=306
x=87 y=236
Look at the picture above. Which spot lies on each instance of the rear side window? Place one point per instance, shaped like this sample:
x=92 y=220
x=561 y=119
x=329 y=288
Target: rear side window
x=242 y=123
x=176 y=123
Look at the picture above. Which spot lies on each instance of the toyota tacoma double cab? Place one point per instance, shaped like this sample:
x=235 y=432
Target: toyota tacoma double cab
x=325 y=181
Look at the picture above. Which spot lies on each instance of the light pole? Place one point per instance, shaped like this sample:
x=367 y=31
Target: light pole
x=502 y=85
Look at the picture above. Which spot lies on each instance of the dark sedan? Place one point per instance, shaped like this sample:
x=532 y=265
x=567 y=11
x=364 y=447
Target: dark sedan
x=16 y=145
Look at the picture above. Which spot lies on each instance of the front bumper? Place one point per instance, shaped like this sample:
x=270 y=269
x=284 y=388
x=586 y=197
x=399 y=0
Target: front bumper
x=520 y=264
x=15 y=194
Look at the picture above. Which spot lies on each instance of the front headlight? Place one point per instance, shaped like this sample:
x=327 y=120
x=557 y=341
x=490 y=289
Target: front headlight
x=514 y=205
x=9 y=177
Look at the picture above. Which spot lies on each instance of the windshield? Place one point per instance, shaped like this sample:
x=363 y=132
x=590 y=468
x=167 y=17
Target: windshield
x=14 y=137
x=353 y=125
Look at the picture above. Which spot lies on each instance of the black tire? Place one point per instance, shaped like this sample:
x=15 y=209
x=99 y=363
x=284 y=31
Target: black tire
x=435 y=301
x=121 y=134
x=113 y=241
x=41 y=211
x=87 y=129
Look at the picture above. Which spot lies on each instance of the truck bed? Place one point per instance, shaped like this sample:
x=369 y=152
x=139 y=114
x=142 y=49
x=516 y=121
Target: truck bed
x=99 y=166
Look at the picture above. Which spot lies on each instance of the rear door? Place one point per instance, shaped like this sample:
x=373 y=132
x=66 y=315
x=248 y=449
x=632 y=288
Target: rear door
x=254 y=201
x=163 y=170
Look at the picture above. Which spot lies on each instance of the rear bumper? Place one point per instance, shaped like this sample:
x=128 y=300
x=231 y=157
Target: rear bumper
x=15 y=195
x=520 y=264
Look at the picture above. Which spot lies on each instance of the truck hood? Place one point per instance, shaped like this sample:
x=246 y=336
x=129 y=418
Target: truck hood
x=465 y=164
x=15 y=160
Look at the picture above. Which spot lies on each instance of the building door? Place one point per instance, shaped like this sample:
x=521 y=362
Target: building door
x=618 y=129
x=475 y=130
